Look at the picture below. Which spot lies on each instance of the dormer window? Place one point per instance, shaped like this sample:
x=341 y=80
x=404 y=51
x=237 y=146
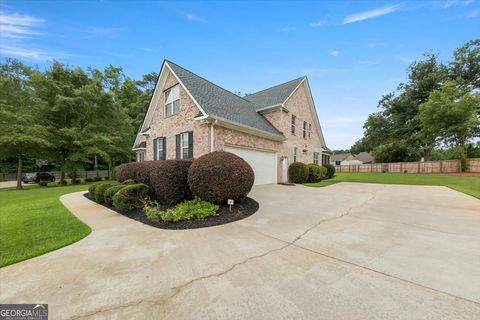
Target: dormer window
x=172 y=100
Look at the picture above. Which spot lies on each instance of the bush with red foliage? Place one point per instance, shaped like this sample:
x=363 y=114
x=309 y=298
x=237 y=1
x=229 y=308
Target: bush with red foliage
x=126 y=171
x=169 y=180
x=137 y=171
x=220 y=175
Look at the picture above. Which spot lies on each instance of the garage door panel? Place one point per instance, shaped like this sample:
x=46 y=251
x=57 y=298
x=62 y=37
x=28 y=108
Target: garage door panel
x=262 y=162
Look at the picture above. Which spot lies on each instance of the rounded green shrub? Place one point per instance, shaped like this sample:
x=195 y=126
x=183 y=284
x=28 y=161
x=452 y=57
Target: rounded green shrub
x=110 y=192
x=92 y=187
x=169 y=180
x=101 y=188
x=314 y=172
x=330 y=170
x=220 y=175
x=130 y=197
x=298 y=172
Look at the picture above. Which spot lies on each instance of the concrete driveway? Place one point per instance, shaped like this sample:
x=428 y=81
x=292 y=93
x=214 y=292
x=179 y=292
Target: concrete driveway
x=348 y=251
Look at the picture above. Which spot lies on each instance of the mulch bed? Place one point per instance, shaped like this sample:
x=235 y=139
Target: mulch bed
x=239 y=211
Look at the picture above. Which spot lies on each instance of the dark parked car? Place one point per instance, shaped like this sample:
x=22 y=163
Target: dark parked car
x=37 y=177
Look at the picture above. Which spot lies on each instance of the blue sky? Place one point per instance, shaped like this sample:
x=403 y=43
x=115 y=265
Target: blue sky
x=351 y=51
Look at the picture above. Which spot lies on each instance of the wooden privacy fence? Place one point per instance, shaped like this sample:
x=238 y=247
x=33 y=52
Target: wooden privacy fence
x=80 y=174
x=441 y=166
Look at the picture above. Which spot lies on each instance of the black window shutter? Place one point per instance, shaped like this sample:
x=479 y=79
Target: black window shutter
x=177 y=147
x=155 y=146
x=190 y=144
x=164 y=152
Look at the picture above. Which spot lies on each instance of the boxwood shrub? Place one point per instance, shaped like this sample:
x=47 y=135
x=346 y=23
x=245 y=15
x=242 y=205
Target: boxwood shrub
x=101 y=188
x=91 y=188
x=315 y=172
x=110 y=192
x=169 y=180
x=298 y=172
x=220 y=175
x=330 y=170
x=130 y=197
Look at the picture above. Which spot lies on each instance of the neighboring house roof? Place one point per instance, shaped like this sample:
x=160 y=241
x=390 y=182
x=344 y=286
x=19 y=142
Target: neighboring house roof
x=365 y=157
x=339 y=156
x=216 y=101
x=275 y=95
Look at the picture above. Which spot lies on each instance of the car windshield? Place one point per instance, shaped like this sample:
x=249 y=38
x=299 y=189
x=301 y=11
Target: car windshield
x=29 y=175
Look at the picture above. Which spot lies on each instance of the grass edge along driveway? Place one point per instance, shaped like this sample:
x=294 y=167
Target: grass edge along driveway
x=33 y=221
x=468 y=185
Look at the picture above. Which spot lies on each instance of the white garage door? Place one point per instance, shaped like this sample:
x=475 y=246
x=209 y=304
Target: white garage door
x=262 y=162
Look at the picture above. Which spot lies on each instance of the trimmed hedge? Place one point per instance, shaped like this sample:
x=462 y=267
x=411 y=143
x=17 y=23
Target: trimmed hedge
x=101 y=188
x=136 y=171
x=169 y=180
x=91 y=188
x=126 y=171
x=220 y=175
x=315 y=172
x=330 y=170
x=110 y=192
x=130 y=196
x=298 y=172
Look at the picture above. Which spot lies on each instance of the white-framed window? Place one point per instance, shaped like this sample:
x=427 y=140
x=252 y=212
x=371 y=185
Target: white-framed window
x=161 y=149
x=172 y=100
x=184 y=145
x=293 y=123
x=304 y=129
x=315 y=157
x=309 y=131
x=295 y=154
x=140 y=156
x=184 y=153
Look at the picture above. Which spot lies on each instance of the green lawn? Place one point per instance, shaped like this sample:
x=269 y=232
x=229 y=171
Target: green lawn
x=468 y=185
x=33 y=221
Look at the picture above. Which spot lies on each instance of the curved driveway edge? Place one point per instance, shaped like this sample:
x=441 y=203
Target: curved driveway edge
x=347 y=251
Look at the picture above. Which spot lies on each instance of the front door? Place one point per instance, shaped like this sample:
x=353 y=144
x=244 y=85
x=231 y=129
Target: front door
x=285 y=169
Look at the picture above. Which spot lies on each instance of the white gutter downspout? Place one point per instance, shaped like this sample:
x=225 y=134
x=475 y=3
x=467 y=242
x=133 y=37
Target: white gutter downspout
x=212 y=135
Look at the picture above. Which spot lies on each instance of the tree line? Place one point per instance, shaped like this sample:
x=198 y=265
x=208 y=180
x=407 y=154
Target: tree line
x=67 y=118
x=435 y=113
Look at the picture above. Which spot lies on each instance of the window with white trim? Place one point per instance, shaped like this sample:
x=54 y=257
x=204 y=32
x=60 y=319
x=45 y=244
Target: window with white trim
x=172 y=100
x=295 y=154
x=293 y=123
x=160 y=149
x=315 y=157
x=140 y=156
x=184 y=145
x=309 y=131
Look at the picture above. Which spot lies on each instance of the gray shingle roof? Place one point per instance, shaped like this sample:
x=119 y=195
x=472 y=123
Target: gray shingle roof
x=274 y=95
x=141 y=145
x=222 y=103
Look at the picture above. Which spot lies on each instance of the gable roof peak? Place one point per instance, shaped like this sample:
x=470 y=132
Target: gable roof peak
x=275 y=95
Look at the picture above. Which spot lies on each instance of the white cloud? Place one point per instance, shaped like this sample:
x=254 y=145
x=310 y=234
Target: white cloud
x=320 y=23
x=473 y=14
x=403 y=59
x=29 y=54
x=193 y=17
x=288 y=28
x=360 y=16
x=452 y=3
x=94 y=32
x=335 y=53
x=18 y=26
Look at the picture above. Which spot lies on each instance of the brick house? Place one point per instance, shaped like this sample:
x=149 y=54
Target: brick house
x=189 y=116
